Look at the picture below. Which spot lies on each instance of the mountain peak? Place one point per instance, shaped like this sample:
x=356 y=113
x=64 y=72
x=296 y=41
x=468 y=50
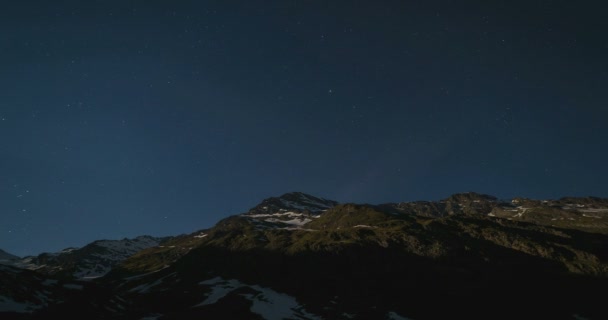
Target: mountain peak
x=293 y=201
x=7 y=256
x=470 y=196
x=91 y=261
x=302 y=197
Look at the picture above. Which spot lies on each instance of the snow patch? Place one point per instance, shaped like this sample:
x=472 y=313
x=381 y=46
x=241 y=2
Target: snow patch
x=521 y=213
x=277 y=214
x=289 y=218
x=394 y=316
x=274 y=305
x=145 y=288
x=293 y=222
x=298 y=229
x=591 y=216
x=219 y=290
x=267 y=303
x=144 y=274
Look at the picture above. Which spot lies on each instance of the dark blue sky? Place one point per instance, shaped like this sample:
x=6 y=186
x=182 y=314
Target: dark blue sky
x=122 y=118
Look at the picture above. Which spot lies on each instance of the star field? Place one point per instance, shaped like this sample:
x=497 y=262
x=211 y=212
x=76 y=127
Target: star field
x=123 y=118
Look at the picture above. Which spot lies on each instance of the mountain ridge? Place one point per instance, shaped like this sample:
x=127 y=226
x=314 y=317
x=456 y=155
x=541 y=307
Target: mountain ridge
x=7 y=256
x=90 y=261
x=321 y=259
x=471 y=195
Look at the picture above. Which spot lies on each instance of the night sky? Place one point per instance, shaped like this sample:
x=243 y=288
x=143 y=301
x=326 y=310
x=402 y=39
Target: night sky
x=123 y=118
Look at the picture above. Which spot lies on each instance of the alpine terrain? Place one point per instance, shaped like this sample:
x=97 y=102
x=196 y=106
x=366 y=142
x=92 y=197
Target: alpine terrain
x=298 y=256
x=91 y=261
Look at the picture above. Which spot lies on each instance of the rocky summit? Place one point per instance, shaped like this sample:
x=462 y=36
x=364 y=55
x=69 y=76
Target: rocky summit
x=299 y=256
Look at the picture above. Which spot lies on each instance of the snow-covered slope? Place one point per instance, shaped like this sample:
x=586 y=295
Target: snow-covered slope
x=23 y=291
x=91 y=261
x=293 y=201
x=111 y=252
x=289 y=211
x=26 y=294
x=18 y=293
x=265 y=302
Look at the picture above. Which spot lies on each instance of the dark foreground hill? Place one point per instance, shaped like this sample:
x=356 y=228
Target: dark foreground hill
x=304 y=257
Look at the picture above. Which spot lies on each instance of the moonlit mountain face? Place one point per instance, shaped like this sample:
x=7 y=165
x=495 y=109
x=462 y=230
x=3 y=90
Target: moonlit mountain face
x=304 y=257
x=91 y=261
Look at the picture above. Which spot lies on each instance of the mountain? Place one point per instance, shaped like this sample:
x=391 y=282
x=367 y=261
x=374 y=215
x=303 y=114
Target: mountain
x=585 y=214
x=293 y=201
x=5 y=256
x=91 y=261
x=289 y=211
x=25 y=293
x=302 y=257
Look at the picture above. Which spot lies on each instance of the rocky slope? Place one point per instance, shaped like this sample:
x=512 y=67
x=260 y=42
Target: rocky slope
x=7 y=257
x=26 y=294
x=290 y=211
x=91 y=261
x=304 y=257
